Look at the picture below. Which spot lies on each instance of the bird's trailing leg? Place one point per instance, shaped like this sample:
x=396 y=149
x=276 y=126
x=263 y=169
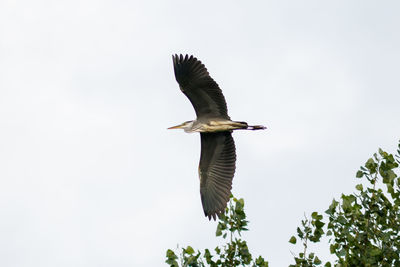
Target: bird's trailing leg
x=256 y=127
x=244 y=126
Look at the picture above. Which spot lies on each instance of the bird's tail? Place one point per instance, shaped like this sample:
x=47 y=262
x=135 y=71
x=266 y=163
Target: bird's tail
x=256 y=127
x=245 y=126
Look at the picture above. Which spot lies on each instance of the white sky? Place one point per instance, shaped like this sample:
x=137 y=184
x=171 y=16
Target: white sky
x=89 y=175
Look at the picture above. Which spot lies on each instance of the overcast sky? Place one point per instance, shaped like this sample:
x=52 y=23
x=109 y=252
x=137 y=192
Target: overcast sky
x=89 y=175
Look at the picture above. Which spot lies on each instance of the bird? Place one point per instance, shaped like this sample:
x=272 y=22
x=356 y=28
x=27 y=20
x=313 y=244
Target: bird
x=218 y=153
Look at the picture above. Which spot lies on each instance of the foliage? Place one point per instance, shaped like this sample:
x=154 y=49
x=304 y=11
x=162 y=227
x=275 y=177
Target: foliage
x=311 y=230
x=233 y=253
x=363 y=227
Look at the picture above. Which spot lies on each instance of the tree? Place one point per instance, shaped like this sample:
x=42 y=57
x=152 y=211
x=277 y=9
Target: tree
x=362 y=228
x=233 y=253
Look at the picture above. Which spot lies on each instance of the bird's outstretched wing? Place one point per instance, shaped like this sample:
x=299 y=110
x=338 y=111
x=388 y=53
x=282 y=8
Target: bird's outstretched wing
x=202 y=91
x=216 y=170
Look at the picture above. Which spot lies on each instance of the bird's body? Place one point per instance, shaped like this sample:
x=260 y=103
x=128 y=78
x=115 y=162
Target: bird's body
x=211 y=126
x=218 y=156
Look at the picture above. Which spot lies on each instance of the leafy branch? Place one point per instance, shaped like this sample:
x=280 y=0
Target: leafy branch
x=233 y=253
x=363 y=227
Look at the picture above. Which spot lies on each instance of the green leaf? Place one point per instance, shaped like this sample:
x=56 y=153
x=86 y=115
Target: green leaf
x=171 y=258
x=332 y=207
x=359 y=187
x=317 y=261
x=261 y=262
x=371 y=165
x=293 y=240
x=218 y=232
x=319 y=224
x=189 y=250
x=316 y=216
x=208 y=256
x=171 y=254
x=359 y=174
x=300 y=233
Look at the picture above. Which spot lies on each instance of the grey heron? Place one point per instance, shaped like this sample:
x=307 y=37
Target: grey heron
x=218 y=154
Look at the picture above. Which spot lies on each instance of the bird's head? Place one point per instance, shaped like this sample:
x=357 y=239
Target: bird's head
x=187 y=125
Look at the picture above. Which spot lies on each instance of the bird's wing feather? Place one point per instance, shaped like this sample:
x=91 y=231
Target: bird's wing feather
x=202 y=91
x=216 y=170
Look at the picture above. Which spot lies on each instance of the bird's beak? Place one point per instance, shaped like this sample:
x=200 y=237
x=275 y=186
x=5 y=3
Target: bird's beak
x=175 y=127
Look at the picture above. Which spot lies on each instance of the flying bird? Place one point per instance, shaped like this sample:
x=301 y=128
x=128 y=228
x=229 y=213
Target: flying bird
x=218 y=153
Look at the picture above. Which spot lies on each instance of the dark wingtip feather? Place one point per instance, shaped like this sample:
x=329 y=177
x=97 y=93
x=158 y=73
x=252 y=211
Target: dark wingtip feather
x=188 y=69
x=214 y=215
